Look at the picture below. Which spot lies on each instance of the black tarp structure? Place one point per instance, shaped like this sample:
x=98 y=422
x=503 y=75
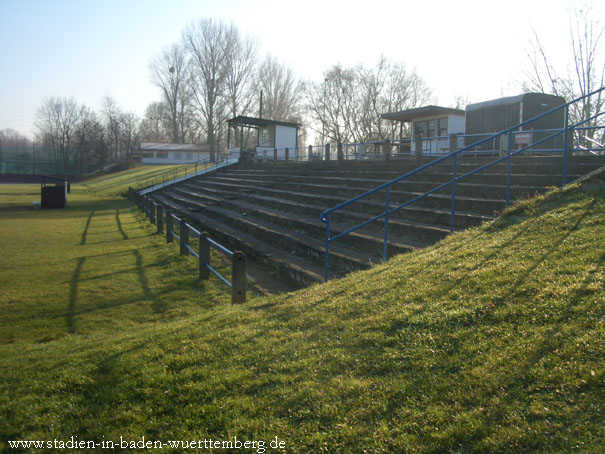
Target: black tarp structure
x=53 y=191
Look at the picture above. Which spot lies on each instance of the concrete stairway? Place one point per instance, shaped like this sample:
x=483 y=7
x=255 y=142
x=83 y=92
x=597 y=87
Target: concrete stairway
x=271 y=212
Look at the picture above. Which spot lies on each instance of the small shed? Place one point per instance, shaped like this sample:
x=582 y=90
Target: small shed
x=172 y=153
x=431 y=127
x=270 y=135
x=53 y=192
x=489 y=117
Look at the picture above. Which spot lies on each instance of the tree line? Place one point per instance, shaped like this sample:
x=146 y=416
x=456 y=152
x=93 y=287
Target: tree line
x=215 y=73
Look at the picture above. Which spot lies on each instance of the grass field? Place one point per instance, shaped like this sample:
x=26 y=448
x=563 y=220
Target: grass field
x=492 y=341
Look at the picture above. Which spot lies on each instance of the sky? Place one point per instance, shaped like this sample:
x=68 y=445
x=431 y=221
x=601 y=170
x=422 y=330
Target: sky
x=90 y=49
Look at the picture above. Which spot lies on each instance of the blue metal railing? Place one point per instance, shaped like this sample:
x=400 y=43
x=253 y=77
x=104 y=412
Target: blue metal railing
x=565 y=131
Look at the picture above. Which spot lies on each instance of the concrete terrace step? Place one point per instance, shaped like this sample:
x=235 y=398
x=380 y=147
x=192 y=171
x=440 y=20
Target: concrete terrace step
x=415 y=233
x=296 y=271
x=300 y=235
x=371 y=208
x=272 y=212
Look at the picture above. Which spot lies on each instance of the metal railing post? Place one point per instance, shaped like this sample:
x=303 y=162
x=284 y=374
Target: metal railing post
x=509 y=166
x=327 y=152
x=386 y=225
x=184 y=236
x=327 y=260
x=275 y=156
x=204 y=252
x=287 y=154
x=169 y=227
x=339 y=153
x=565 y=145
x=453 y=207
x=238 y=277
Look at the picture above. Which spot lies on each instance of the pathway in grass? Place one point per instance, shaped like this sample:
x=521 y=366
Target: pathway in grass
x=97 y=265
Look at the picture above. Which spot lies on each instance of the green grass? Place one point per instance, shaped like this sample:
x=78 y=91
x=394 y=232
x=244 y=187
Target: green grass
x=492 y=341
x=118 y=183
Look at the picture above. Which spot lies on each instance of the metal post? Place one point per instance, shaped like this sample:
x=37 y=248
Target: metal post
x=275 y=156
x=184 y=234
x=169 y=227
x=339 y=153
x=565 y=146
x=327 y=261
x=327 y=152
x=204 y=252
x=159 y=218
x=509 y=166
x=238 y=277
x=310 y=153
x=386 y=225
x=287 y=155
x=453 y=209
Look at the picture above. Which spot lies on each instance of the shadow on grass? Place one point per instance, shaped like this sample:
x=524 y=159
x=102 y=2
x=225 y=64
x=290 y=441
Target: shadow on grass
x=73 y=296
x=120 y=229
x=157 y=304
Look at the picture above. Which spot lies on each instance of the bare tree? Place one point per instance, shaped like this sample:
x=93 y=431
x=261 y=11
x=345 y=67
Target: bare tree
x=57 y=121
x=348 y=104
x=156 y=123
x=206 y=41
x=241 y=58
x=586 y=74
x=112 y=126
x=170 y=72
x=282 y=92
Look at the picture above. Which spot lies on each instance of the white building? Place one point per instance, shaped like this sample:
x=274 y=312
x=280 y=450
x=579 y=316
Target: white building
x=270 y=135
x=431 y=127
x=172 y=153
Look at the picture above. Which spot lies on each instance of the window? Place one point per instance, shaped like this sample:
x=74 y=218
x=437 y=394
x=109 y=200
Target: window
x=177 y=155
x=161 y=155
x=420 y=129
x=148 y=154
x=189 y=156
x=443 y=127
x=432 y=128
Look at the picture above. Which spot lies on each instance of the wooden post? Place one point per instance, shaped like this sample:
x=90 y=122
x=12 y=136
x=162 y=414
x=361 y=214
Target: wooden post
x=327 y=152
x=148 y=207
x=152 y=211
x=386 y=148
x=204 y=252
x=238 y=277
x=169 y=227
x=159 y=218
x=287 y=155
x=339 y=153
x=184 y=234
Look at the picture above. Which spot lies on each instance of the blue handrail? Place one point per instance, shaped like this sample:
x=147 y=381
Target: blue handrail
x=325 y=216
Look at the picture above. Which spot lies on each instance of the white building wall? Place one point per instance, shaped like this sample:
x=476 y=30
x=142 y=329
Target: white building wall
x=285 y=137
x=175 y=157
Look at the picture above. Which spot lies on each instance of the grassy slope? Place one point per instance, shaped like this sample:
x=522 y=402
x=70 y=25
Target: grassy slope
x=491 y=341
x=119 y=182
